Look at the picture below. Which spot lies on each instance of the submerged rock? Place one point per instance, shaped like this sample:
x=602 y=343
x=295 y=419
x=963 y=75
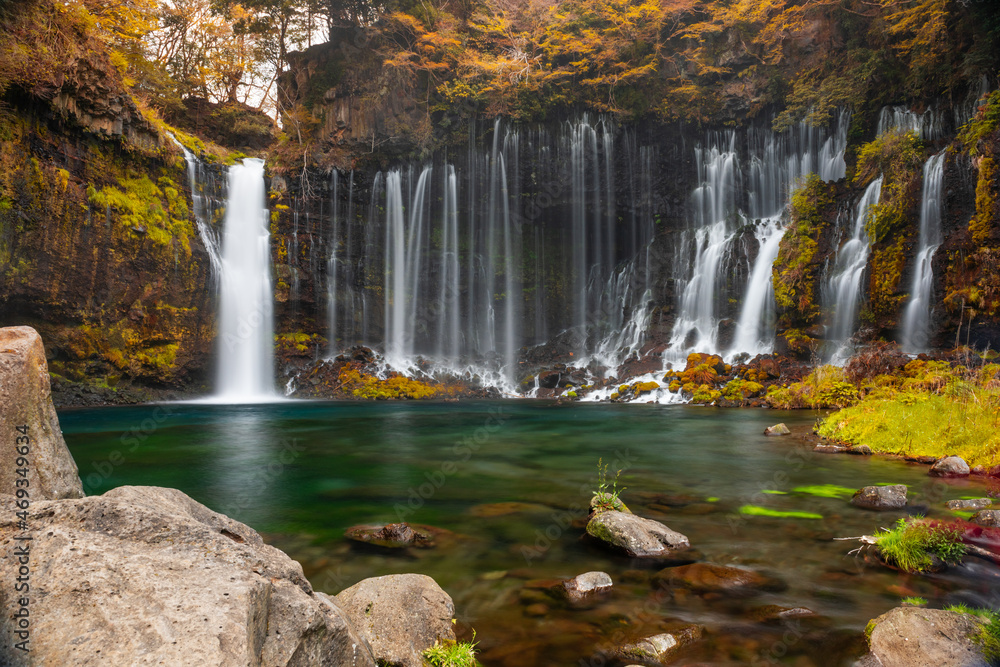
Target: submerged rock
x=658 y=649
x=145 y=575
x=777 y=429
x=989 y=518
x=712 y=578
x=831 y=449
x=636 y=536
x=400 y=616
x=951 y=466
x=908 y=636
x=390 y=536
x=972 y=504
x=28 y=422
x=587 y=585
x=880 y=497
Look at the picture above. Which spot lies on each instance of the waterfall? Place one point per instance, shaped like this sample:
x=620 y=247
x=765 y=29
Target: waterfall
x=843 y=290
x=246 y=329
x=916 y=319
x=755 y=328
x=736 y=195
x=928 y=126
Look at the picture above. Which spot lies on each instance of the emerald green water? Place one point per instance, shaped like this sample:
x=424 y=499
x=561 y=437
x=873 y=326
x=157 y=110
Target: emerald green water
x=302 y=472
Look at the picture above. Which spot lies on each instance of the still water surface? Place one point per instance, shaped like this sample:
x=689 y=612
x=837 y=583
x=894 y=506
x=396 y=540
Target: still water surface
x=301 y=473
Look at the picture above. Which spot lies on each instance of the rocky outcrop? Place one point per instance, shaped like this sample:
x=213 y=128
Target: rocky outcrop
x=636 y=536
x=400 y=615
x=29 y=428
x=145 y=575
x=907 y=636
x=880 y=497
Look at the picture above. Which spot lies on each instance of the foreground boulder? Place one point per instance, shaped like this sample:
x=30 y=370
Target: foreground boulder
x=26 y=411
x=636 y=536
x=777 y=429
x=880 y=497
x=400 y=616
x=951 y=466
x=145 y=575
x=908 y=636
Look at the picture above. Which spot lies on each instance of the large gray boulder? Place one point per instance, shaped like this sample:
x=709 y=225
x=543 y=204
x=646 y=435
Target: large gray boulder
x=148 y=576
x=989 y=518
x=880 y=497
x=400 y=615
x=908 y=636
x=27 y=417
x=636 y=536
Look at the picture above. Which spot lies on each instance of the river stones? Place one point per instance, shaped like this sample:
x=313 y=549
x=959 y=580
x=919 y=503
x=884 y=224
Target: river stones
x=658 y=649
x=950 y=466
x=777 y=429
x=400 y=616
x=973 y=504
x=712 y=578
x=587 y=586
x=880 y=497
x=636 y=536
x=29 y=428
x=988 y=518
x=146 y=575
x=907 y=636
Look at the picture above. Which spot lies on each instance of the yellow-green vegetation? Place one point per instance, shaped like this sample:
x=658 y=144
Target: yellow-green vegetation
x=755 y=510
x=913 y=544
x=704 y=394
x=363 y=385
x=825 y=490
x=741 y=390
x=985 y=123
x=887 y=264
x=452 y=654
x=932 y=409
x=982 y=223
x=898 y=158
x=298 y=342
x=988 y=635
x=606 y=497
x=914 y=601
x=794 y=272
x=157 y=211
x=825 y=387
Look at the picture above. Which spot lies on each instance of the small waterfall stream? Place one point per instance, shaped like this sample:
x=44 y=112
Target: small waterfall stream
x=843 y=289
x=916 y=317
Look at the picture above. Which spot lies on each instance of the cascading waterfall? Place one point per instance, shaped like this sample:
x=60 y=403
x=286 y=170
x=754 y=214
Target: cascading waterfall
x=246 y=328
x=916 y=318
x=928 y=126
x=843 y=289
x=731 y=195
x=455 y=254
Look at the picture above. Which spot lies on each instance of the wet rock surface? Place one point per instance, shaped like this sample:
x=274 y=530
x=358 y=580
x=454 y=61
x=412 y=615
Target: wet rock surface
x=950 y=466
x=635 y=536
x=712 y=578
x=880 y=497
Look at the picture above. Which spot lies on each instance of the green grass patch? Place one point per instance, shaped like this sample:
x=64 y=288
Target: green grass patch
x=911 y=544
x=825 y=490
x=914 y=424
x=772 y=492
x=915 y=602
x=755 y=510
x=452 y=654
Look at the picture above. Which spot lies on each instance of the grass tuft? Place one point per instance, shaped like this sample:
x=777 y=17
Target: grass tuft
x=452 y=654
x=911 y=545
